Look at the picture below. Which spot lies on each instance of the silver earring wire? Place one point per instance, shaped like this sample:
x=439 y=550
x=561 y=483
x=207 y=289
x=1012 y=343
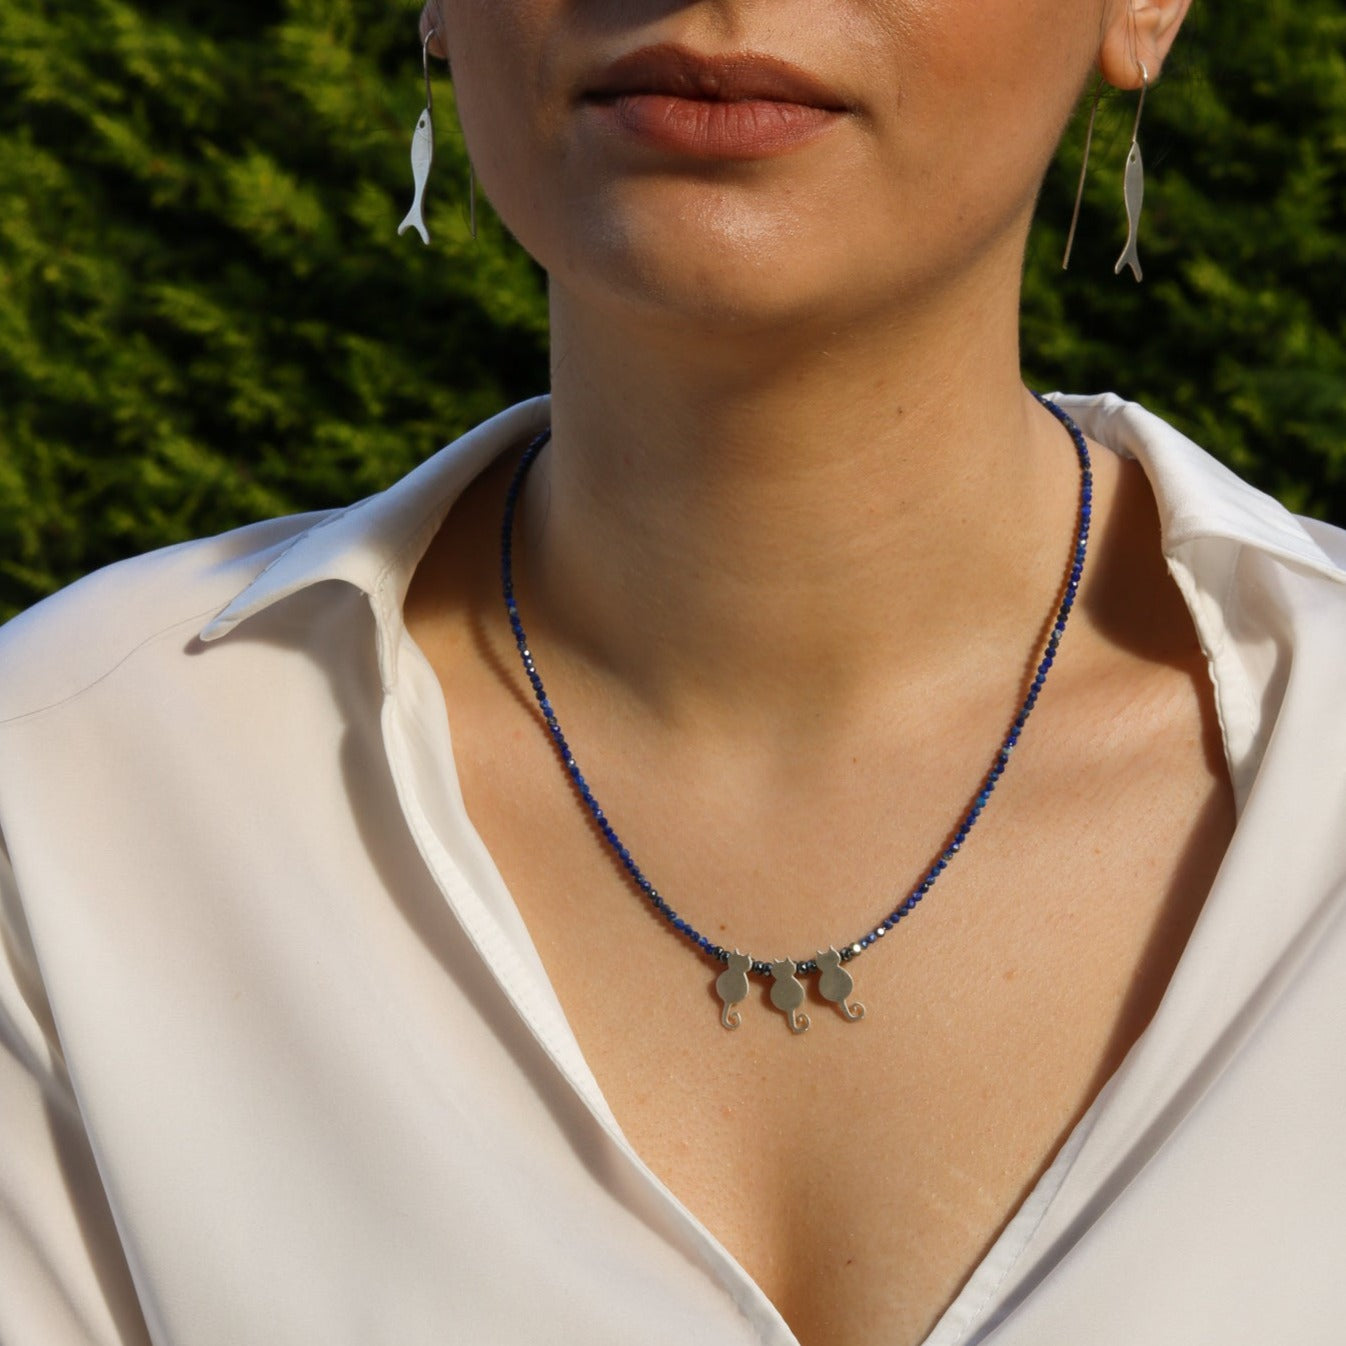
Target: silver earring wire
x=1084 y=170
x=471 y=168
x=425 y=67
x=1133 y=187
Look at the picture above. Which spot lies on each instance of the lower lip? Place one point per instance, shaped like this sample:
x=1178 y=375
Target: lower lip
x=750 y=129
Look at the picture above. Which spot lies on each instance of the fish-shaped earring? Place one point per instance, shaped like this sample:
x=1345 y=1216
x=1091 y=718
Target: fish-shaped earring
x=1133 y=187
x=422 y=153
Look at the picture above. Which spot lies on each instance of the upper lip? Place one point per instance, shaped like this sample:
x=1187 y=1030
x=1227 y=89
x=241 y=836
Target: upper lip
x=734 y=77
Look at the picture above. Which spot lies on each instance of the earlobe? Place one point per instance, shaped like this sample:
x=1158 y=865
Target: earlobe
x=432 y=28
x=1139 y=32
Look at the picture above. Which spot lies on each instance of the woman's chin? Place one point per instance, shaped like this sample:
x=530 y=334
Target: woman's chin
x=725 y=275
x=705 y=303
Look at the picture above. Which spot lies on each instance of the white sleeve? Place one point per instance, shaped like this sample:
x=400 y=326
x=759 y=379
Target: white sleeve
x=63 y=1275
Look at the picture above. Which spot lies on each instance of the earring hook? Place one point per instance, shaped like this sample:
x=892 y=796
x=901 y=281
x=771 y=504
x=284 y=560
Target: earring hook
x=1140 y=102
x=425 y=65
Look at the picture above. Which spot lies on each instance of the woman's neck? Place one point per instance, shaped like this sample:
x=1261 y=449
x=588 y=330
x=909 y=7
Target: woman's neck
x=737 y=526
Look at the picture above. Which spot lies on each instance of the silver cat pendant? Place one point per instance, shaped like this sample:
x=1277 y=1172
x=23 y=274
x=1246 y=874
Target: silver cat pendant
x=787 y=994
x=836 y=984
x=732 y=987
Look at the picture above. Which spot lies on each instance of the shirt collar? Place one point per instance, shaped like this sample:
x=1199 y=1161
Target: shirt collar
x=376 y=543
x=1198 y=497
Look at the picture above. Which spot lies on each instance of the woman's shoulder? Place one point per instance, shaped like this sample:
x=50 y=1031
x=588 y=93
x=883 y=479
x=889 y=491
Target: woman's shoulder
x=66 y=643
x=69 y=642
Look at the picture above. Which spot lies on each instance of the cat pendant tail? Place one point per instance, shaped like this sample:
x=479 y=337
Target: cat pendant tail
x=422 y=156
x=835 y=984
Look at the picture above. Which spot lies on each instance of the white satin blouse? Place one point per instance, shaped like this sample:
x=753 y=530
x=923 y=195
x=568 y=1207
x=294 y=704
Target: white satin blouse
x=280 y=1066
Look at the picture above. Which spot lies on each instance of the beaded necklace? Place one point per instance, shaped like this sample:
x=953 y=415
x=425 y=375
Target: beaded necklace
x=835 y=983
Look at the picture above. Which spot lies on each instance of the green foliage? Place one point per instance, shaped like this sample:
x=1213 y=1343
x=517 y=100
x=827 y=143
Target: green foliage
x=206 y=315
x=1238 y=333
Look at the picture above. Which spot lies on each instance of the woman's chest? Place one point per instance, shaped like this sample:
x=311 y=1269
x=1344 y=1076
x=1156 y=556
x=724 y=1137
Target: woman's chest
x=860 y=1171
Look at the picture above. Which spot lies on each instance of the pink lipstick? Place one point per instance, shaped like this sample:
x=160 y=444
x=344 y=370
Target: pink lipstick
x=740 y=106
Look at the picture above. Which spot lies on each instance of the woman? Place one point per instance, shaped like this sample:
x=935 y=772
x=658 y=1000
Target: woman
x=321 y=1029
